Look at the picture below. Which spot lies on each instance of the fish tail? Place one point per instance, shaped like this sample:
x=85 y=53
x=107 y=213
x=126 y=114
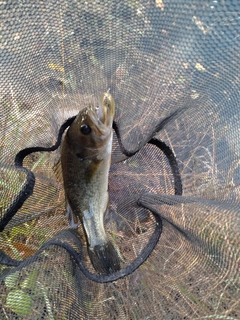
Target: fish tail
x=104 y=258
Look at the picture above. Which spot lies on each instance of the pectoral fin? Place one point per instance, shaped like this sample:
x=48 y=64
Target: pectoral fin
x=72 y=219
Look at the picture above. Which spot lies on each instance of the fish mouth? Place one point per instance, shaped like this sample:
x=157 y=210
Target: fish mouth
x=100 y=113
x=105 y=110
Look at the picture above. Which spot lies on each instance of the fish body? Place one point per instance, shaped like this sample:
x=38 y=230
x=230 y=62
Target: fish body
x=85 y=159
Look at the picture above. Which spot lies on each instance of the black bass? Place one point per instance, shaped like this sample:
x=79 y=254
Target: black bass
x=85 y=159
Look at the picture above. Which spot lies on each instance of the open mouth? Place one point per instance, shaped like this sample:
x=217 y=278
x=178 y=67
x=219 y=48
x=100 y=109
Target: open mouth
x=101 y=113
x=105 y=110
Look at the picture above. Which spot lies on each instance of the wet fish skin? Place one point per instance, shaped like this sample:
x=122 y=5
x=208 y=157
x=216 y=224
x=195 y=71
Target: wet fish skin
x=85 y=160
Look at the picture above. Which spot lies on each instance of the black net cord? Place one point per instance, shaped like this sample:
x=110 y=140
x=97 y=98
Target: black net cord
x=28 y=187
x=77 y=256
x=173 y=164
x=150 y=135
x=22 y=196
x=162 y=146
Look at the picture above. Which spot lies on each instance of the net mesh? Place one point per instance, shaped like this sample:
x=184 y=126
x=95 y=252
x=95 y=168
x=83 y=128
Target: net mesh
x=172 y=68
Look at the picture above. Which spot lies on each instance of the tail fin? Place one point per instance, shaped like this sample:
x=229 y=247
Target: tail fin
x=104 y=258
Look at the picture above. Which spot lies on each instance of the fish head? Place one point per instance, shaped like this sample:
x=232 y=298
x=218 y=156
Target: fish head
x=91 y=131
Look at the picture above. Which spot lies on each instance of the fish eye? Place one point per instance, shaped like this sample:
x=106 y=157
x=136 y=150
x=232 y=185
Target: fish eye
x=85 y=129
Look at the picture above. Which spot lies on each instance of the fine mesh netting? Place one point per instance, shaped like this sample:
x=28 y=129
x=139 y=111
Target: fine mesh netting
x=172 y=67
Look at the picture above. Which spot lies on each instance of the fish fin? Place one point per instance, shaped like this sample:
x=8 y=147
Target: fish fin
x=72 y=219
x=57 y=169
x=104 y=258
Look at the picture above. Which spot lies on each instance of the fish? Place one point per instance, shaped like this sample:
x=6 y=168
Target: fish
x=85 y=161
